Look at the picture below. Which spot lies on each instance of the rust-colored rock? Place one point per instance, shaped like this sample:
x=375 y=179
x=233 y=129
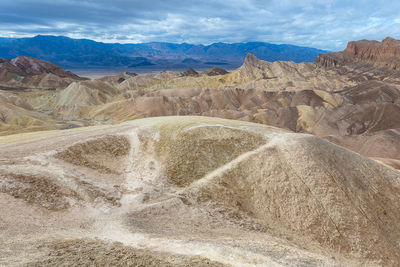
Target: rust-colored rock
x=379 y=54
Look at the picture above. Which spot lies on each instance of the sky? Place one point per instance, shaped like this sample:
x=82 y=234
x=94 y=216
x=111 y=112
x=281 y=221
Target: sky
x=324 y=24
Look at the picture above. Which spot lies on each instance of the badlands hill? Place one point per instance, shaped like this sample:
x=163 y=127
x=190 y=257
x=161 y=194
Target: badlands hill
x=27 y=72
x=243 y=194
x=355 y=106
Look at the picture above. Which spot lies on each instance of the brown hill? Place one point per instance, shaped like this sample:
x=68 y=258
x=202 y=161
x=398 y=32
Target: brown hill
x=214 y=71
x=27 y=72
x=190 y=72
x=34 y=66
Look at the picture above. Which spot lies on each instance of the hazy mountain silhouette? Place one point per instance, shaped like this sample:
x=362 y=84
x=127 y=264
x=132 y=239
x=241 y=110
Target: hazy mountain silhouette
x=76 y=53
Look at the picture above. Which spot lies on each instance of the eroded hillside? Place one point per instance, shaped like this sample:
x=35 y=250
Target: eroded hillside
x=243 y=194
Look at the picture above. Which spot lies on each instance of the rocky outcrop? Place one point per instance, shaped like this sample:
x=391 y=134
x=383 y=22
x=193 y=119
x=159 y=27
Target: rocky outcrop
x=379 y=54
x=330 y=60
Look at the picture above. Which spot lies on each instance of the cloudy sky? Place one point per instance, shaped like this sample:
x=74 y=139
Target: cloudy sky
x=324 y=24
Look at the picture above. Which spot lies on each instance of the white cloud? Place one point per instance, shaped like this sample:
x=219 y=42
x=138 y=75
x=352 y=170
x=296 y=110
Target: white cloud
x=325 y=24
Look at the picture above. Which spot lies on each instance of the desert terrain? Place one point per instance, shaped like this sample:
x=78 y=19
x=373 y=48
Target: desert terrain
x=271 y=164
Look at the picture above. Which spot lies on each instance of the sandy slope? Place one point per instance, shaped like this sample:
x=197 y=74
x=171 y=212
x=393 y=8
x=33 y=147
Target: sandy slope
x=184 y=191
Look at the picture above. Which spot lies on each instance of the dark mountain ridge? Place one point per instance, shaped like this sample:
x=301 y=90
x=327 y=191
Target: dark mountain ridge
x=77 y=53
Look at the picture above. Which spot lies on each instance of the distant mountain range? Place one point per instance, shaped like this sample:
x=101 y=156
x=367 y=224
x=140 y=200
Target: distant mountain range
x=82 y=53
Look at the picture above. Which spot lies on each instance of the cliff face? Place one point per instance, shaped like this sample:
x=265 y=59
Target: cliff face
x=374 y=53
x=330 y=60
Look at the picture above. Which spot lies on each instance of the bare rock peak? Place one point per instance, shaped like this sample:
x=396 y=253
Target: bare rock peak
x=389 y=39
x=251 y=59
x=214 y=71
x=190 y=72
